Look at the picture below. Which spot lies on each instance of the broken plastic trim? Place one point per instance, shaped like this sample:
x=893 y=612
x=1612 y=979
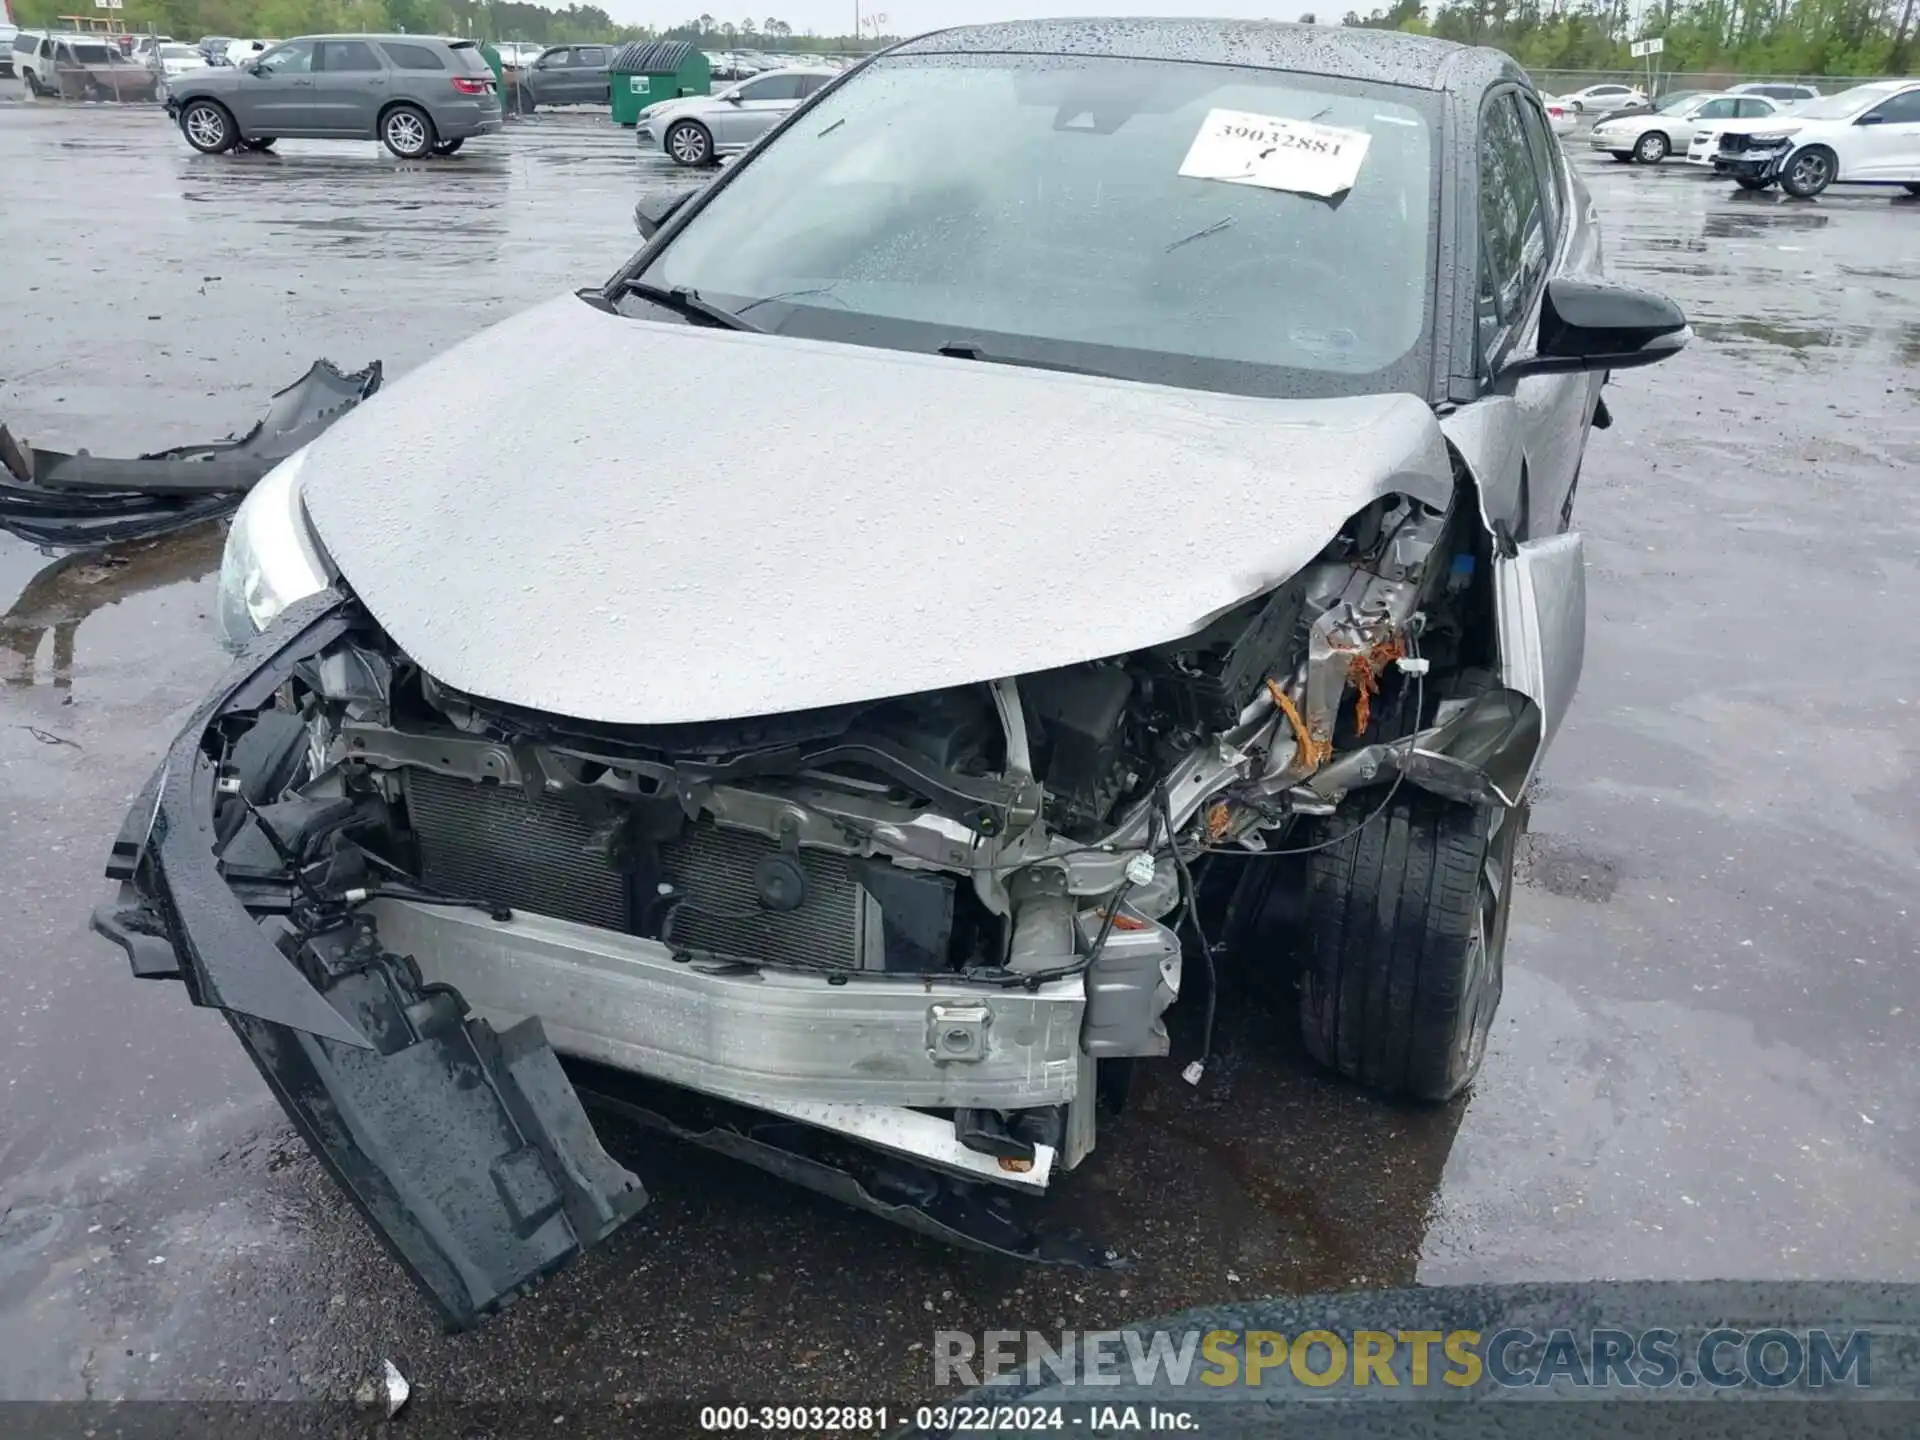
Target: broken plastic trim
x=465 y=1148
x=78 y=501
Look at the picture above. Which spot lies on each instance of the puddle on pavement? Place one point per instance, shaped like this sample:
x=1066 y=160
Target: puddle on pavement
x=40 y=631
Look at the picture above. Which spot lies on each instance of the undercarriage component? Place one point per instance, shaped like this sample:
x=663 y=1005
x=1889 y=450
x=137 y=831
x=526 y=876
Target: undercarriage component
x=81 y=500
x=947 y=1209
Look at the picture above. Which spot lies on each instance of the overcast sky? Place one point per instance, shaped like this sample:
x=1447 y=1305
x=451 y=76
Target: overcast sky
x=910 y=17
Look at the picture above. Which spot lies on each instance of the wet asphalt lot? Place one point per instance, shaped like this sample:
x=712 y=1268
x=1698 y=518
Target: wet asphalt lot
x=1705 y=1065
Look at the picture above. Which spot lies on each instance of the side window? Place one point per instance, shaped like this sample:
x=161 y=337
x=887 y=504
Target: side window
x=346 y=55
x=590 y=55
x=411 y=57
x=295 y=58
x=1513 y=242
x=1748 y=108
x=773 y=87
x=558 y=59
x=1900 y=110
x=1718 y=110
x=811 y=83
x=1546 y=156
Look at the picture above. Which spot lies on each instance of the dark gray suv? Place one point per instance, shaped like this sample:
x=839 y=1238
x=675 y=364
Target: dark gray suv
x=568 y=75
x=418 y=94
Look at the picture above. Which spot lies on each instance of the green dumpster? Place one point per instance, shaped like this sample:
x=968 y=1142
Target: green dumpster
x=645 y=72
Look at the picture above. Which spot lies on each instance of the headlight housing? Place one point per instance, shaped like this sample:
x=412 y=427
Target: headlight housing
x=271 y=559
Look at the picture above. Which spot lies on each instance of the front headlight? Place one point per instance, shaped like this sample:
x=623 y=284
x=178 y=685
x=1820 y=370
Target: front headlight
x=271 y=559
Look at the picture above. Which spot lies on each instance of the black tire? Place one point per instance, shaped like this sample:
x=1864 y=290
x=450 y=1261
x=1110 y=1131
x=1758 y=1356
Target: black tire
x=1911 y=189
x=1809 y=171
x=35 y=88
x=1405 y=931
x=407 y=131
x=526 y=104
x=208 y=126
x=265 y=142
x=689 y=143
x=1652 y=147
x=1623 y=156
x=449 y=147
x=1748 y=182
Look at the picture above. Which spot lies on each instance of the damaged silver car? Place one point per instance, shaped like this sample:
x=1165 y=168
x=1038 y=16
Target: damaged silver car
x=1165 y=565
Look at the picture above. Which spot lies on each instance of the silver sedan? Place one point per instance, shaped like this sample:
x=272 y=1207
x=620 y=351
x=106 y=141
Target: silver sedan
x=701 y=128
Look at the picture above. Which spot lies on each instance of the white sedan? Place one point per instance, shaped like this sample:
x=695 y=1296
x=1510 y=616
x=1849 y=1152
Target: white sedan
x=1869 y=135
x=1559 y=115
x=1609 y=96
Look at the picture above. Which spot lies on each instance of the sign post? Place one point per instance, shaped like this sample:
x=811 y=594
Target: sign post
x=1648 y=48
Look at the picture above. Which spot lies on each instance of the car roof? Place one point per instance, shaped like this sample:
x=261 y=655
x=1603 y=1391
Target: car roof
x=1346 y=52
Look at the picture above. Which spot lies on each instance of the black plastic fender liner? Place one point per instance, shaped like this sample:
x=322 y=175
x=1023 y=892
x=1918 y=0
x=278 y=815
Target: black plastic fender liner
x=465 y=1148
x=226 y=960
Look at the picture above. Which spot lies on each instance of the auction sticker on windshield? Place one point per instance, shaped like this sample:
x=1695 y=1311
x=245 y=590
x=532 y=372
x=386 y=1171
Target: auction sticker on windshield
x=1242 y=148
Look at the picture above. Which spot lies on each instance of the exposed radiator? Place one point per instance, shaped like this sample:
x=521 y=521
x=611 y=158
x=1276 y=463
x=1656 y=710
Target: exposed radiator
x=493 y=842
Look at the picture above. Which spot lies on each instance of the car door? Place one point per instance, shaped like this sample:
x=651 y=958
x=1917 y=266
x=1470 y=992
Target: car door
x=548 y=77
x=1884 y=143
x=590 y=74
x=756 y=108
x=350 y=84
x=1526 y=233
x=275 y=93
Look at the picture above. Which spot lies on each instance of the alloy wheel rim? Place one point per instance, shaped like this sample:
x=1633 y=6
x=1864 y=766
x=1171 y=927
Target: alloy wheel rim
x=686 y=144
x=1810 y=170
x=405 y=132
x=206 y=126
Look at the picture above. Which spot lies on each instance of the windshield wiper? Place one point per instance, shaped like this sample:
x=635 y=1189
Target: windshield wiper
x=961 y=350
x=686 y=301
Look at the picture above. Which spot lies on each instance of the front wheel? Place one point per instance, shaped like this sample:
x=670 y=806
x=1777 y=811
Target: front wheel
x=208 y=127
x=1406 y=937
x=1652 y=148
x=407 y=132
x=1809 y=172
x=449 y=147
x=690 y=144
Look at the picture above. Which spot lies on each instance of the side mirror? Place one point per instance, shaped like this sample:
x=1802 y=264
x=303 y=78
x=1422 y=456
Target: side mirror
x=1591 y=325
x=1871 y=120
x=254 y=67
x=651 y=214
x=733 y=99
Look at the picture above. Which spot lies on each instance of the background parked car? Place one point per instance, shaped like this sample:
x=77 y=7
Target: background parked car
x=1669 y=101
x=417 y=94
x=7 y=35
x=569 y=75
x=1560 y=116
x=1653 y=135
x=172 y=60
x=1718 y=116
x=213 y=48
x=240 y=52
x=1776 y=91
x=699 y=129
x=80 y=67
x=1608 y=96
x=1868 y=135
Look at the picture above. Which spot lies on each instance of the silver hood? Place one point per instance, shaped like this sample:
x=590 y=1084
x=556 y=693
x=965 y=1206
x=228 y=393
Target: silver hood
x=643 y=523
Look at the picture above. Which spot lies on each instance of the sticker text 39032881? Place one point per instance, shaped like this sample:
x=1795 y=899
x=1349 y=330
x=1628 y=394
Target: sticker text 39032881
x=1273 y=153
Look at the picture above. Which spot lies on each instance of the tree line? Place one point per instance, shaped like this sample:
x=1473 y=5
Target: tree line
x=484 y=19
x=1747 y=37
